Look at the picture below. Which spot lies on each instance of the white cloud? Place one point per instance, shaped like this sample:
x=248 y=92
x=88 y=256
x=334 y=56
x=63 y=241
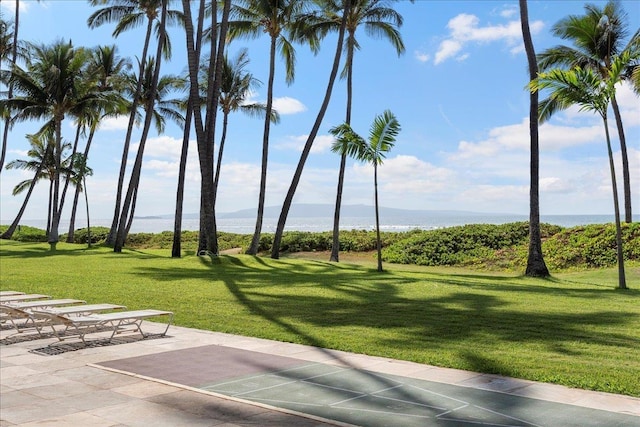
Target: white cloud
x=509 y=11
x=286 y=105
x=447 y=49
x=465 y=29
x=11 y=6
x=406 y=175
x=516 y=137
x=555 y=185
x=321 y=144
x=114 y=123
x=421 y=56
x=629 y=105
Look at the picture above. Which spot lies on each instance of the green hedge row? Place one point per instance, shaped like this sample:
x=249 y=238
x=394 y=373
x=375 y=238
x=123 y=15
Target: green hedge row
x=502 y=246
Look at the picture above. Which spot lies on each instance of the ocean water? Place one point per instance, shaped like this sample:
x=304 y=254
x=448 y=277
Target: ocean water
x=318 y=224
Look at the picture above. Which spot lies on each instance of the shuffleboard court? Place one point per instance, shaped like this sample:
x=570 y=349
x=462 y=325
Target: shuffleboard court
x=354 y=396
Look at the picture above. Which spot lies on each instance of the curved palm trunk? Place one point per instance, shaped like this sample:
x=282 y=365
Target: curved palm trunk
x=50 y=208
x=128 y=204
x=223 y=138
x=378 y=240
x=72 y=219
x=76 y=196
x=622 y=282
x=536 y=266
x=127 y=140
x=335 y=247
x=255 y=241
x=626 y=180
x=176 y=249
x=8 y=234
x=14 y=58
x=63 y=196
x=132 y=213
x=56 y=210
x=277 y=238
x=86 y=202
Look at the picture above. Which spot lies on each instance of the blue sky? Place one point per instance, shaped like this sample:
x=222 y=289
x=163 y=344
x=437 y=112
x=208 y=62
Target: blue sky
x=458 y=92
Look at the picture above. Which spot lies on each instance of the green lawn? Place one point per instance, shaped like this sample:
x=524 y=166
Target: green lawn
x=575 y=329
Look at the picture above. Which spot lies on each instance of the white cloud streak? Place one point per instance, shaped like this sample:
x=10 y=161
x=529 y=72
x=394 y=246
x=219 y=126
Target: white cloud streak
x=465 y=29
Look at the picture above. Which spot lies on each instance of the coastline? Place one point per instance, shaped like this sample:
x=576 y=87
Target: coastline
x=325 y=224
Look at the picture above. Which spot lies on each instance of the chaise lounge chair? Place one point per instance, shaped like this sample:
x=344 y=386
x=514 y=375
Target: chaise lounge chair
x=13 y=315
x=44 y=304
x=116 y=322
x=22 y=297
x=85 y=309
x=10 y=293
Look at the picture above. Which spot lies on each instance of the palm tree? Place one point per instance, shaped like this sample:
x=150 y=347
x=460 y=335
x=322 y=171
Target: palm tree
x=378 y=20
x=10 y=43
x=107 y=72
x=598 y=38
x=586 y=88
x=40 y=162
x=157 y=106
x=382 y=137
x=277 y=238
x=129 y=14
x=536 y=266
x=78 y=177
x=252 y=18
x=51 y=88
x=235 y=87
x=205 y=129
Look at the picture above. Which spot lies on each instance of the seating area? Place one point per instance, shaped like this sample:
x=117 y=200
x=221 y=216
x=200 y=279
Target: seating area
x=72 y=319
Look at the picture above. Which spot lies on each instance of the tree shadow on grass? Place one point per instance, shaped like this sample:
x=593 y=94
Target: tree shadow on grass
x=317 y=296
x=316 y=299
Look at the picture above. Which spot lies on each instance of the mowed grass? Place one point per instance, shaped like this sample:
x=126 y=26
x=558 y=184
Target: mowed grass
x=575 y=329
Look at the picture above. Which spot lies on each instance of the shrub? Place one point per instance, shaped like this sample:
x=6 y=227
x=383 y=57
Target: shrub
x=24 y=233
x=98 y=235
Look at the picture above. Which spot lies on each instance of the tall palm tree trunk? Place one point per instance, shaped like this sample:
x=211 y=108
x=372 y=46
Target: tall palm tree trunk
x=176 y=248
x=8 y=234
x=14 y=58
x=56 y=210
x=335 y=247
x=275 y=249
x=206 y=232
x=255 y=241
x=536 y=266
x=137 y=166
x=223 y=138
x=76 y=196
x=68 y=176
x=626 y=179
x=86 y=202
x=622 y=282
x=111 y=238
x=375 y=191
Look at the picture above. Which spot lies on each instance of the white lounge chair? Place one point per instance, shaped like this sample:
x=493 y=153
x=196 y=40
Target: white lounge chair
x=9 y=293
x=85 y=309
x=116 y=322
x=20 y=319
x=44 y=304
x=22 y=297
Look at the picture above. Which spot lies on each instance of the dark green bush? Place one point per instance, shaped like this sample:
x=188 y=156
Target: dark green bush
x=592 y=246
x=472 y=244
x=98 y=235
x=24 y=233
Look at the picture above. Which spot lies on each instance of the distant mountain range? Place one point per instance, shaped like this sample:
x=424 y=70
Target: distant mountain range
x=312 y=210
